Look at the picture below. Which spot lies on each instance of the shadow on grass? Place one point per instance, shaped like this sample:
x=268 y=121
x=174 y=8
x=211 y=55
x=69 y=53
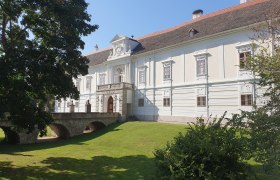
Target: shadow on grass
x=100 y=167
x=261 y=175
x=77 y=140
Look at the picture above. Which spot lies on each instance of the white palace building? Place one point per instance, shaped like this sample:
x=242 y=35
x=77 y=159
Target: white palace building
x=195 y=69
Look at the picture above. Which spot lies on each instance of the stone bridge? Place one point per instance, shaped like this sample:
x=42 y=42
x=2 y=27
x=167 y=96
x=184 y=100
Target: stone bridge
x=65 y=125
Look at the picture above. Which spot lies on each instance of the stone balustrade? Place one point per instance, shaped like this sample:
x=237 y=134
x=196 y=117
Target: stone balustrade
x=116 y=86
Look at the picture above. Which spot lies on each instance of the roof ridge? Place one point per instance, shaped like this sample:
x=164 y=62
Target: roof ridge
x=219 y=12
x=99 y=51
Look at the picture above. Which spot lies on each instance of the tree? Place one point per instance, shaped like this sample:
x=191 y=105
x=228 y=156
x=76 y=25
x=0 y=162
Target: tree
x=39 y=56
x=264 y=122
x=265 y=62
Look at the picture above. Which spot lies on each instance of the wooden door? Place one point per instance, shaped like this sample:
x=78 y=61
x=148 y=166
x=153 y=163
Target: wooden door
x=110 y=104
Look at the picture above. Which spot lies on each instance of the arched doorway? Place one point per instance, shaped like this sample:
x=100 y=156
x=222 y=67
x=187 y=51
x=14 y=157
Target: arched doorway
x=110 y=105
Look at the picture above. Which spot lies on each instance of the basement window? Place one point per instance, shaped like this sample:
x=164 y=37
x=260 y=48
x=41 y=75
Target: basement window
x=141 y=102
x=201 y=101
x=246 y=100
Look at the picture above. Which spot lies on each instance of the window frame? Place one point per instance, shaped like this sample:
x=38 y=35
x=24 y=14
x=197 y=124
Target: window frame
x=199 y=71
x=243 y=48
x=77 y=104
x=141 y=102
x=201 y=101
x=166 y=102
x=242 y=66
x=88 y=83
x=102 y=79
x=142 y=80
x=246 y=101
x=78 y=84
x=167 y=70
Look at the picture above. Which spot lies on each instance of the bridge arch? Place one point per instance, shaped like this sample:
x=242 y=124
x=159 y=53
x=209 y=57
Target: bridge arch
x=60 y=130
x=94 y=126
x=11 y=137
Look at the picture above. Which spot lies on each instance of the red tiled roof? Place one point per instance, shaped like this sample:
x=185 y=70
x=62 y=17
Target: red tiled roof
x=227 y=19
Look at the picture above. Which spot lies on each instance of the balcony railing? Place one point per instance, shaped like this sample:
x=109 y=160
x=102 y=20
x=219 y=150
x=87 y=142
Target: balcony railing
x=117 y=86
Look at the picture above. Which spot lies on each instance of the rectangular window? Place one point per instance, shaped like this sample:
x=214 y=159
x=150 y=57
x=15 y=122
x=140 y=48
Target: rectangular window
x=88 y=84
x=68 y=104
x=243 y=56
x=166 y=71
x=140 y=102
x=76 y=104
x=59 y=104
x=142 y=75
x=78 y=84
x=201 y=66
x=201 y=101
x=246 y=100
x=166 y=102
x=102 y=79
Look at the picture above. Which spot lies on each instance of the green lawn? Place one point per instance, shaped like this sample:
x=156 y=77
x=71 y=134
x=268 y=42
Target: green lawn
x=121 y=151
x=2 y=136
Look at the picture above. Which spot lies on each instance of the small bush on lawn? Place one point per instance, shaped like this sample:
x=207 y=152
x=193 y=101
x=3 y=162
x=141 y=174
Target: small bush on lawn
x=208 y=150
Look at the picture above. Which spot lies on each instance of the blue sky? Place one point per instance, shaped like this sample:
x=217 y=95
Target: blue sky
x=140 y=17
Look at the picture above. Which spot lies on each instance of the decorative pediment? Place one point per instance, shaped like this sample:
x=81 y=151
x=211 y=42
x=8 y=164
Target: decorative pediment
x=117 y=37
x=122 y=47
x=244 y=47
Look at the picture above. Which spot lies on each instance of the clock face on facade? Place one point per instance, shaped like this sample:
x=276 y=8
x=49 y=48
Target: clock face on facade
x=119 y=49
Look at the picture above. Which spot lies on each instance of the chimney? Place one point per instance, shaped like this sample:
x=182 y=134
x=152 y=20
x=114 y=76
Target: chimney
x=244 y=1
x=197 y=13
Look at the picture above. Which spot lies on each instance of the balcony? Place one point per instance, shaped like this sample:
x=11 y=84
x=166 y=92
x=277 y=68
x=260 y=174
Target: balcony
x=117 y=86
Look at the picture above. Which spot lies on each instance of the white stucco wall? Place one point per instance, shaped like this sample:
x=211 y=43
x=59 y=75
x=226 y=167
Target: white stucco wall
x=222 y=88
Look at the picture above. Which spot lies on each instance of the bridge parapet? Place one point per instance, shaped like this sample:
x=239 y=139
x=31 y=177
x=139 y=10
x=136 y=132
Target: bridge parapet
x=93 y=115
x=67 y=125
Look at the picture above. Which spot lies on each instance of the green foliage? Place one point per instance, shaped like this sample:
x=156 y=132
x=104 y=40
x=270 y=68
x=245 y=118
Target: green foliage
x=40 y=43
x=208 y=150
x=265 y=138
x=264 y=122
x=267 y=68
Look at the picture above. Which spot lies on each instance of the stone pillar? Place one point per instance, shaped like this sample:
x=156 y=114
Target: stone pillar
x=88 y=107
x=72 y=107
x=123 y=104
x=115 y=103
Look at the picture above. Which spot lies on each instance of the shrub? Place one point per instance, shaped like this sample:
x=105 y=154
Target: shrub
x=208 y=150
x=265 y=138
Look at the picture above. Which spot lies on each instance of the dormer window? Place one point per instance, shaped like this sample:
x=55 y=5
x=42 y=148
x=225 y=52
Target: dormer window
x=192 y=32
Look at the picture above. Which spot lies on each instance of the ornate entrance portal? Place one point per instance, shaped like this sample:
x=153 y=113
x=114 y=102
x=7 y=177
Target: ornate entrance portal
x=114 y=98
x=110 y=105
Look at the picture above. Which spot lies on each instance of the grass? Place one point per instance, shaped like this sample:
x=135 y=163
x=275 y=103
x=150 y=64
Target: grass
x=2 y=135
x=121 y=151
